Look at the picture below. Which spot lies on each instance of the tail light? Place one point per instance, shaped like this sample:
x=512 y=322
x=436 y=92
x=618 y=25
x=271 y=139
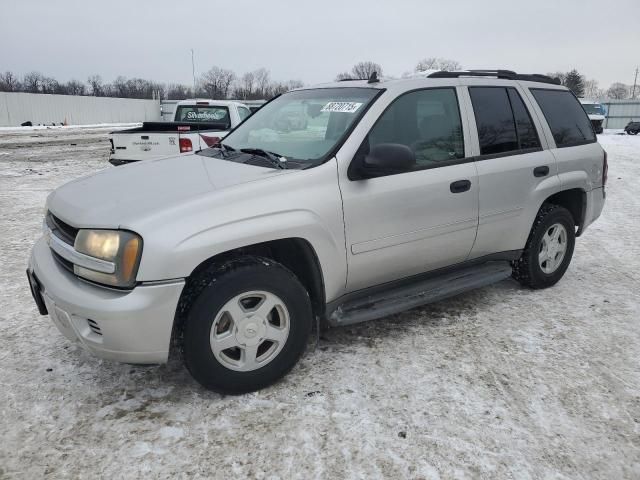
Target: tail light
x=605 y=169
x=185 y=145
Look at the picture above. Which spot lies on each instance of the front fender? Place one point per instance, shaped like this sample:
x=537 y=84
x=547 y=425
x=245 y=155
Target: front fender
x=203 y=245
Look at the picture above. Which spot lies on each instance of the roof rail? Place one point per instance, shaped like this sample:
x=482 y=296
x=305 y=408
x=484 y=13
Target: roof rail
x=503 y=74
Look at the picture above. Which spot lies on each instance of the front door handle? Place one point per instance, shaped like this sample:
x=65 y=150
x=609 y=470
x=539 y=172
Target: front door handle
x=541 y=171
x=460 y=186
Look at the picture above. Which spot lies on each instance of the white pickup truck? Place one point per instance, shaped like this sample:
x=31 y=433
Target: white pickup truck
x=596 y=113
x=197 y=124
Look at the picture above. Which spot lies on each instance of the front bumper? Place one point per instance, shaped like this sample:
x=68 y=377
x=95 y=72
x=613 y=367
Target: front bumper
x=131 y=326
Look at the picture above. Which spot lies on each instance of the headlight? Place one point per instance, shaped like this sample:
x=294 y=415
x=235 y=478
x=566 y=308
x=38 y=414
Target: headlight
x=120 y=247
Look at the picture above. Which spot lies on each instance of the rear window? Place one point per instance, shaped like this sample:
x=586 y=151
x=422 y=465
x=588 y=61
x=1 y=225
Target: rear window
x=204 y=114
x=567 y=119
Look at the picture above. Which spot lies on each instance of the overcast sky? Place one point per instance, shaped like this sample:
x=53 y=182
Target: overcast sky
x=314 y=40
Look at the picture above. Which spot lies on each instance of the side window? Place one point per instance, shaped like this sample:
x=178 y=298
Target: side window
x=494 y=119
x=567 y=119
x=503 y=122
x=427 y=121
x=527 y=135
x=244 y=113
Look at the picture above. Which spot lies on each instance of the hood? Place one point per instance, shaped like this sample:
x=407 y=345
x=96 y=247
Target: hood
x=118 y=196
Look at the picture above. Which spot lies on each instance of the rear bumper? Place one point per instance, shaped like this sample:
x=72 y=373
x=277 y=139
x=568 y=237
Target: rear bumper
x=595 y=204
x=127 y=326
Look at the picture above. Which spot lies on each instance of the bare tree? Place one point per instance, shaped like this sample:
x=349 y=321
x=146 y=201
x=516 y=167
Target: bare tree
x=263 y=79
x=246 y=86
x=176 y=91
x=561 y=76
x=9 y=82
x=95 y=85
x=364 y=70
x=592 y=89
x=343 y=76
x=433 y=63
x=217 y=81
x=33 y=82
x=75 y=87
x=618 y=91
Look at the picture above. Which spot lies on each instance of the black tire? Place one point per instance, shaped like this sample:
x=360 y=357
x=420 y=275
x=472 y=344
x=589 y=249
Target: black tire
x=224 y=282
x=527 y=270
x=633 y=132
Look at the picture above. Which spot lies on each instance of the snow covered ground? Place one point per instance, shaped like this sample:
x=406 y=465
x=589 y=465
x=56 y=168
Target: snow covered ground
x=501 y=382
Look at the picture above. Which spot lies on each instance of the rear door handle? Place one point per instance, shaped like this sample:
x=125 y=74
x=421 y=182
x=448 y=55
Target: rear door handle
x=541 y=171
x=460 y=186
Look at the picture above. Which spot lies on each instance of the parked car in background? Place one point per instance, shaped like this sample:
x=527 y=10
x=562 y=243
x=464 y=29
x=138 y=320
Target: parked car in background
x=197 y=124
x=632 y=128
x=596 y=113
x=389 y=195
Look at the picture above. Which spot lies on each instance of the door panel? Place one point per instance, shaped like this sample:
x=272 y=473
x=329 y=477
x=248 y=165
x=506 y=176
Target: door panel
x=409 y=223
x=510 y=195
x=406 y=224
x=516 y=171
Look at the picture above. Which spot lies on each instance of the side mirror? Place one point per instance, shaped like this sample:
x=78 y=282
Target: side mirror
x=385 y=159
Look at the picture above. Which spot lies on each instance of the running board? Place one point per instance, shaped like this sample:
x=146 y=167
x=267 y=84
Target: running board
x=402 y=298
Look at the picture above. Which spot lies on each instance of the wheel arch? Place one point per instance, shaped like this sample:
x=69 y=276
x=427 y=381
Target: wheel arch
x=294 y=253
x=575 y=201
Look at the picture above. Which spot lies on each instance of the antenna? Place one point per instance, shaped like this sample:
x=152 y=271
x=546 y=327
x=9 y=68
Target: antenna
x=635 y=82
x=373 y=78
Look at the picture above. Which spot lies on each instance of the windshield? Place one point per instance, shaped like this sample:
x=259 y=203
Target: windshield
x=593 y=108
x=302 y=126
x=198 y=113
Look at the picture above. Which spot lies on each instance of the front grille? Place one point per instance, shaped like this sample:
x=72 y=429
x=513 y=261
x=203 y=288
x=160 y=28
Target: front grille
x=596 y=123
x=63 y=261
x=93 y=325
x=63 y=231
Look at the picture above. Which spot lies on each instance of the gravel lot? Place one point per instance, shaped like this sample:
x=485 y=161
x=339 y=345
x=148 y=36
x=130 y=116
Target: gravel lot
x=498 y=383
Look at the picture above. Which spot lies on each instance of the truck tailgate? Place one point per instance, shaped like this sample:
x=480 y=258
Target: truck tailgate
x=143 y=146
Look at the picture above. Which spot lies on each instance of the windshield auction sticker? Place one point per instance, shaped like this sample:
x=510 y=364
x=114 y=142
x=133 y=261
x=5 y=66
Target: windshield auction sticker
x=344 y=107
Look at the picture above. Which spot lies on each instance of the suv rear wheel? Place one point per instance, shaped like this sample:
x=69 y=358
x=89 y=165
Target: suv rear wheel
x=248 y=326
x=549 y=248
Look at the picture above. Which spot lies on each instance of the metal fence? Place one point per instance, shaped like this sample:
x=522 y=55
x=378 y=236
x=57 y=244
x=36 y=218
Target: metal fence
x=621 y=112
x=16 y=108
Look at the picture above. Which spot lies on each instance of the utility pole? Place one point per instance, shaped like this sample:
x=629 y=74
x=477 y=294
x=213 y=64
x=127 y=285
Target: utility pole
x=635 y=82
x=193 y=70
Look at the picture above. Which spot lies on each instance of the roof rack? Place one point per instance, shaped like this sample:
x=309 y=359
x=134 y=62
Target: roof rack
x=503 y=74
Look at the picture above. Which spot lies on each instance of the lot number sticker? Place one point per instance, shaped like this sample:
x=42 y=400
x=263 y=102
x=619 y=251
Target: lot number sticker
x=344 y=107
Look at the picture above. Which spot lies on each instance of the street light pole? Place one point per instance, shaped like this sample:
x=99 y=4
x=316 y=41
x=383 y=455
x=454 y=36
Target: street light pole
x=635 y=82
x=193 y=71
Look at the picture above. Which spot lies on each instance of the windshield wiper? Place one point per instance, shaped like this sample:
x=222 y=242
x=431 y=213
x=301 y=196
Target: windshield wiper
x=275 y=159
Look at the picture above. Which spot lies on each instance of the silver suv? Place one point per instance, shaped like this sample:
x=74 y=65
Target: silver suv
x=390 y=194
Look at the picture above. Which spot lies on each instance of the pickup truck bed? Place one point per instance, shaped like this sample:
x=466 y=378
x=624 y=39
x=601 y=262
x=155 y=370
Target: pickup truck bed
x=161 y=139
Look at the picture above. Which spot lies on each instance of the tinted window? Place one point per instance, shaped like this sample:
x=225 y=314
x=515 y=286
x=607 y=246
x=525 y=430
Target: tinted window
x=494 y=119
x=427 y=121
x=527 y=135
x=568 y=122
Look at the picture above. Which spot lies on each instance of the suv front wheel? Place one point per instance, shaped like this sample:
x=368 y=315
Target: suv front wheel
x=247 y=327
x=549 y=248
